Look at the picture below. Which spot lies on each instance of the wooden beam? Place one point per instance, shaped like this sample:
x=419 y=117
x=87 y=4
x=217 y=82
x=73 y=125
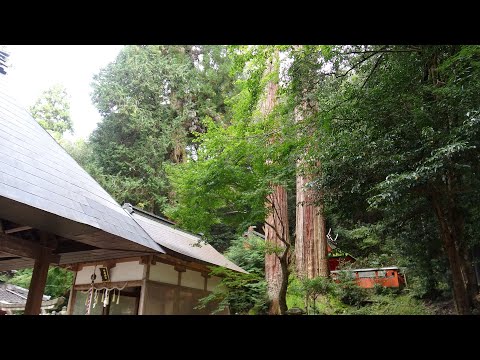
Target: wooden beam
x=170 y=260
x=18 y=229
x=37 y=284
x=81 y=265
x=109 y=285
x=110 y=264
x=180 y=268
x=73 y=267
x=24 y=248
x=19 y=247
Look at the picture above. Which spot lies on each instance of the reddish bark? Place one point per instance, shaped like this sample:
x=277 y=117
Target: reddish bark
x=311 y=254
x=276 y=223
x=276 y=261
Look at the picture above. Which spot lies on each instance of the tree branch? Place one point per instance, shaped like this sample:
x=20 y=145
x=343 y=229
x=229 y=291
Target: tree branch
x=373 y=70
x=279 y=236
x=380 y=51
x=280 y=220
x=356 y=65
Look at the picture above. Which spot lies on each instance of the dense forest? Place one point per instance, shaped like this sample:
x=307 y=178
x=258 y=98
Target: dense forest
x=377 y=144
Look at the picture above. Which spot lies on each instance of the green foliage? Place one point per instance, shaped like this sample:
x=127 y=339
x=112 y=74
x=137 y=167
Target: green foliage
x=313 y=288
x=348 y=290
x=22 y=278
x=52 y=110
x=221 y=237
x=3 y=277
x=382 y=290
x=59 y=281
x=386 y=132
x=224 y=185
x=396 y=128
x=152 y=98
x=242 y=293
x=295 y=296
x=228 y=180
x=249 y=254
x=346 y=298
x=80 y=150
x=402 y=304
x=317 y=286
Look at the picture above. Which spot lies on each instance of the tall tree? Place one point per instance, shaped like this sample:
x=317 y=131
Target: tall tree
x=404 y=128
x=276 y=224
x=311 y=252
x=243 y=168
x=52 y=110
x=152 y=99
x=311 y=255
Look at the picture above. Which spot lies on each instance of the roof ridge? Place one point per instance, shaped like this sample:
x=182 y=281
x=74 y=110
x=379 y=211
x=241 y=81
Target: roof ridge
x=172 y=225
x=130 y=208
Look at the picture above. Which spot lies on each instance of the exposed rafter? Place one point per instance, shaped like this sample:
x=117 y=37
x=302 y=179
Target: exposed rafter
x=17 y=229
x=23 y=248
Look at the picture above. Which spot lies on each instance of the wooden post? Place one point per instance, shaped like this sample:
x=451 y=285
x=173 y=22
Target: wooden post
x=37 y=284
x=143 y=289
x=71 y=299
x=205 y=281
x=176 y=304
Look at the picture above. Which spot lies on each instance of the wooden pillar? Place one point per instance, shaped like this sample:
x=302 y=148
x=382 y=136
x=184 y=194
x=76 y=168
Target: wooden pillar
x=176 y=304
x=205 y=281
x=37 y=284
x=143 y=290
x=73 y=294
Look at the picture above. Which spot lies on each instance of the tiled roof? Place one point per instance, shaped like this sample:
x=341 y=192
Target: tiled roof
x=12 y=294
x=36 y=171
x=180 y=241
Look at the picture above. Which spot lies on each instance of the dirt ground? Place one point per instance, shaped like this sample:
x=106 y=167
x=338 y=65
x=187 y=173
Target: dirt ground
x=442 y=307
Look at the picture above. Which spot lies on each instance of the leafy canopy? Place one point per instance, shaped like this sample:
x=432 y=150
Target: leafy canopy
x=52 y=110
